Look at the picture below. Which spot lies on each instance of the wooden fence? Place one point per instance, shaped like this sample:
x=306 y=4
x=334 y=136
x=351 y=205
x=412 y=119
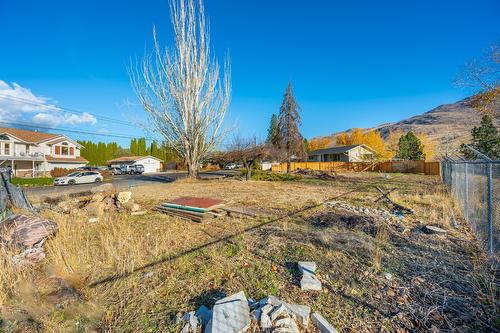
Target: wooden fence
x=427 y=168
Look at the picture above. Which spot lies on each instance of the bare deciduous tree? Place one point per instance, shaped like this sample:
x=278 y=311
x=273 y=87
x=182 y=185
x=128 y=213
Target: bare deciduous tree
x=483 y=77
x=181 y=88
x=248 y=152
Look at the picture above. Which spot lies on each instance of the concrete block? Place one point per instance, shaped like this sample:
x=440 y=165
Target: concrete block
x=230 y=315
x=310 y=282
x=322 y=324
x=307 y=266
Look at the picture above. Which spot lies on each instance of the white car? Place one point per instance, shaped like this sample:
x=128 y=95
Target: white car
x=83 y=177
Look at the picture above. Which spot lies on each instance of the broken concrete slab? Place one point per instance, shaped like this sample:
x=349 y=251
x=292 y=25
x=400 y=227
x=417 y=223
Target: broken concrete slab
x=230 y=315
x=278 y=311
x=310 y=282
x=298 y=312
x=265 y=321
x=307 y=267
x=192 y=322
x=322 y=324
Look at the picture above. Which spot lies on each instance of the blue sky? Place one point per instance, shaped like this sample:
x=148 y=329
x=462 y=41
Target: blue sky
x=352 y=64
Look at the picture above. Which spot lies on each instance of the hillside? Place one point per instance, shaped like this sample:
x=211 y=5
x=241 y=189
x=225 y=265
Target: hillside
x=447 y=125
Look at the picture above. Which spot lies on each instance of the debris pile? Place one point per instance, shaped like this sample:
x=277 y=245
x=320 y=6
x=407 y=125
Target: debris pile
x=192 y=208
x=100 y=200
x=236 y=313
x=27 y=233
x=326 y=175
x=382 y=213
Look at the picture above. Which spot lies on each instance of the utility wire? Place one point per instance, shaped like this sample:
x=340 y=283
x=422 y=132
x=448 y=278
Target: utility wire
x=35 y=126
x=69 y=110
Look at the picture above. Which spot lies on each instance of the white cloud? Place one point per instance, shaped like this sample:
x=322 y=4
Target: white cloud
x=20 y=104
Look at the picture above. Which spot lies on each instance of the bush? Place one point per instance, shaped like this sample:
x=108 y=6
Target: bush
x=273 y=177
x=61 y=172
x=40 y=181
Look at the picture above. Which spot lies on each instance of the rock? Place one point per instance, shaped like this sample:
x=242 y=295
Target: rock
x=99 y=196
x=322 y=324
x=278 y=311
x=429 y=229
x=298 y=312
x=28 y=257
x=265 y=321
x=123 y=197
x=204 y=314
x=93 y=219
x=230 y=315
x=107 y=188
x=192 y=322
x=95 y=208
x=148 y=274
x=388 y=276
x=26 y=231
x=131 y=206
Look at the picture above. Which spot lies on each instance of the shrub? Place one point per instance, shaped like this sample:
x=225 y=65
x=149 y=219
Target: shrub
x=61 y=172
x=274 y=177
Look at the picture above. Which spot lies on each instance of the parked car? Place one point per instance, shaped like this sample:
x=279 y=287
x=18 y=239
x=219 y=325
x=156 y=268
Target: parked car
x=115 y=171
x=137 y=169
x=232 y=166
x=84 y=177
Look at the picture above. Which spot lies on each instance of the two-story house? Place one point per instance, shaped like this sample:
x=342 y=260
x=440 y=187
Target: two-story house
x=31 y=153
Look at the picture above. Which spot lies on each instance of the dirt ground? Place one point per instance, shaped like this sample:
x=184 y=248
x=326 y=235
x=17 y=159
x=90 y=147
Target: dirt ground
x=138 y=273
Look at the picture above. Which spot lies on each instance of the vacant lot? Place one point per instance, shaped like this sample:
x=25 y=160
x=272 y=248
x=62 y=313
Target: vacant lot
x=135 y=274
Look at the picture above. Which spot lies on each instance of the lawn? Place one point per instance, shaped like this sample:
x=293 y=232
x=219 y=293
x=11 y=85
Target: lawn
x=39 y=181
x=136 y=274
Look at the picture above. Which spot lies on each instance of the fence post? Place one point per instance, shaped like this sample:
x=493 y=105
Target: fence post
x=466 y=192
x=490 y=207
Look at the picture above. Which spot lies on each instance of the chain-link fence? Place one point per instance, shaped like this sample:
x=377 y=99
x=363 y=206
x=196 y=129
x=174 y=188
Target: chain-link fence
x=476 y=187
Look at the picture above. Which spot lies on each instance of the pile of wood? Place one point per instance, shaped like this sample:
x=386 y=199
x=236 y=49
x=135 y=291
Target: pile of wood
x=327 y=175
x=192 y=208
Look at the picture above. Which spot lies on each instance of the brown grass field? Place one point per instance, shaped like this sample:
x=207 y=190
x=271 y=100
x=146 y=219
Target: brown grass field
x=137 y=273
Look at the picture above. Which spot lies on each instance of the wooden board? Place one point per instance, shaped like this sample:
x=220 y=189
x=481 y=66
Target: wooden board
x=205 y=203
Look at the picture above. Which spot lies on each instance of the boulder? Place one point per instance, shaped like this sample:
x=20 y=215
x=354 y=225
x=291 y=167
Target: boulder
x=28 y=257
x=95 y=208
x=26 y=231
x=123 y=197
x=99 y=196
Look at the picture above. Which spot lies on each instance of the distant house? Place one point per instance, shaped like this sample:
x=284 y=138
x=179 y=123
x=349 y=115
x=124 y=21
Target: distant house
x=30 y=153
x=352 y=153
x=150 y=163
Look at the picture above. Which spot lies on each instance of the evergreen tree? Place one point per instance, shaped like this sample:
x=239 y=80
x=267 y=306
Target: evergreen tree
x=410 y=147
x=485 y=139
x=289 y=122
x=273 y=133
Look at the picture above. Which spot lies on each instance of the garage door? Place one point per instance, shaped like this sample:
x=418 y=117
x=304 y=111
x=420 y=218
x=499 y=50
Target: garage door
x=150 y=164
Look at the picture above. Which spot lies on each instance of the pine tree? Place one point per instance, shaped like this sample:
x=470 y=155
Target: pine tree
x=273 y=133
x=289 y=122
x=485 y=139
x=410 y=147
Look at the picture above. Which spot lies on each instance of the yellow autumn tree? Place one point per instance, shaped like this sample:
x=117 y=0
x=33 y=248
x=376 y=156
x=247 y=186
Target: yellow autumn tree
x=318 y=143
x=357 y=137
x=342 y=139
x=429 y=146
x=373 y=140
x=392 y=142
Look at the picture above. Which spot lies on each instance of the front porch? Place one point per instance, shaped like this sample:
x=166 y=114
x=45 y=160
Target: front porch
x=23 y=166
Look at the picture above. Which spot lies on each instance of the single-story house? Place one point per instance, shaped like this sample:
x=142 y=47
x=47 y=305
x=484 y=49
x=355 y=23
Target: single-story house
x=352 y=153
x=150 y=163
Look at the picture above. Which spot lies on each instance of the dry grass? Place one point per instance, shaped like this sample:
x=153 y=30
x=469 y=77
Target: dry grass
x=135 y=274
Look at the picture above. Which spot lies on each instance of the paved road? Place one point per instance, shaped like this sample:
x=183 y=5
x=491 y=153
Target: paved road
x=121 y=182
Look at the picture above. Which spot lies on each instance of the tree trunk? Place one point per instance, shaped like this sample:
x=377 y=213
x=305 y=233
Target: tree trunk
x=288 y=165
x=249 y=172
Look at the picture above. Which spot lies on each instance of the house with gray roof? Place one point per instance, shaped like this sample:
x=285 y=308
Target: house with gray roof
x=351 y=153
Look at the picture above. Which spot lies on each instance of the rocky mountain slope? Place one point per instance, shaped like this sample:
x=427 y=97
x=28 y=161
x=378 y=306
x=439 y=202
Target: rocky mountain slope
x=448 y=125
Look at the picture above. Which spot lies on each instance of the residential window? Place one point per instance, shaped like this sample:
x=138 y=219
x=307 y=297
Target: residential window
x=6 y=148
x=64 y=149
x=4 y=137
x=27 y=149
